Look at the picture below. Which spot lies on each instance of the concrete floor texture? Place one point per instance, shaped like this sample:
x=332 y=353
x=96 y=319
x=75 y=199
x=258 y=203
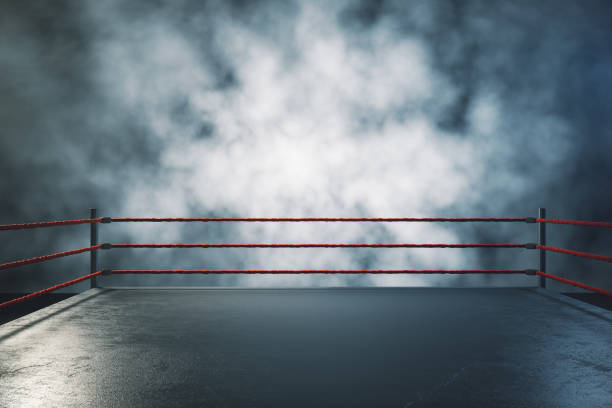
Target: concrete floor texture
x=379 y=347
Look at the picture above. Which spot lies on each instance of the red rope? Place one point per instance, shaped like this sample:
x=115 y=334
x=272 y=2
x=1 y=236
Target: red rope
x=47 y=257
x=318 y=219
x=576 y=253
x=574 y=283
x=318 y=245
x=313 y=271
x=51 y=289
x=7 y=227
x=573 y=222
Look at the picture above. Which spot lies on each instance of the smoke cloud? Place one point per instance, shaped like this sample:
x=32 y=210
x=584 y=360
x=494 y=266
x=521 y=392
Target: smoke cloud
x=283 y=109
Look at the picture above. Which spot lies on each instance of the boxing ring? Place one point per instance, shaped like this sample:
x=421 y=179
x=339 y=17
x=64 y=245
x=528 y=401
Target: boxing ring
x=309 y=347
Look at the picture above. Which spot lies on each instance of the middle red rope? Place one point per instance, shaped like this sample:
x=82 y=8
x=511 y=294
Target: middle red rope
x=318 y=245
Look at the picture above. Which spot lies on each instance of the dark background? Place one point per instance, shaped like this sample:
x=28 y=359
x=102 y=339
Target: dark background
x=151 y=109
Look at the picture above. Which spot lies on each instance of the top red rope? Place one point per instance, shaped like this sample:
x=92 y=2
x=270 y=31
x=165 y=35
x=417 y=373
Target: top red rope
x=318 y=219
x=47 y=224
x=574 y=222
x=108 y=219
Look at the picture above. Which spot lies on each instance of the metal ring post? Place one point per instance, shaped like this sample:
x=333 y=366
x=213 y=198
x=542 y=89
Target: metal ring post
x=542 y=241
x=93 y=255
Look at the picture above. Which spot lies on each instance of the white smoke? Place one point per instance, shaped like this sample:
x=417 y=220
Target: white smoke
x=280 y=110
x=288 y=140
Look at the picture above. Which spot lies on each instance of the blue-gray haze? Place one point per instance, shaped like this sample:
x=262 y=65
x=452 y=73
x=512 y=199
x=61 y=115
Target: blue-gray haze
x=309 y=108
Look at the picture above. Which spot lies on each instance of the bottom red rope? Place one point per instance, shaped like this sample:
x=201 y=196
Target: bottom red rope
x=314 y=271
x=574 y=283
x=355 y=271
x=303 y=271
x=51 y=289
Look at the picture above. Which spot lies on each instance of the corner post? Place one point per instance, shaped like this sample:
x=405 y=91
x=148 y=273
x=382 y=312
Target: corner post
x=542 y=241
x=93 y=255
